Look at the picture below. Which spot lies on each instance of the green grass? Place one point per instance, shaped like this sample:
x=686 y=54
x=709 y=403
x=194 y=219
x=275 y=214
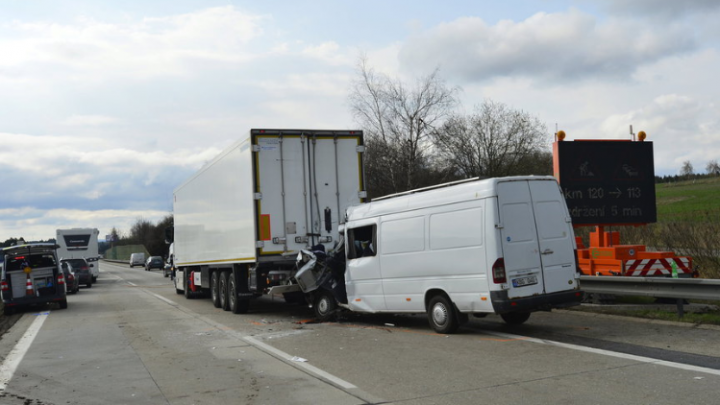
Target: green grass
x=705 y=318
x=688 y=200
x=709 y=317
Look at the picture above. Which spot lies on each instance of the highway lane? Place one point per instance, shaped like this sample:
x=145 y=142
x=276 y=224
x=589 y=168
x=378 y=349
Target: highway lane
x=131 y=339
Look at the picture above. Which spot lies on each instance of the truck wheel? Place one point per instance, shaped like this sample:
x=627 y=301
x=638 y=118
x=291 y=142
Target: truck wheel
x=63 y=304
x=325 y=307
x=515 y=318
x=237 y=306
x=442 y=316
x=214 y=293
x=223 y=292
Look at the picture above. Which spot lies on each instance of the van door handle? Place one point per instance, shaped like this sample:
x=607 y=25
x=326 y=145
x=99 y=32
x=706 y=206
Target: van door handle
x=547 y=252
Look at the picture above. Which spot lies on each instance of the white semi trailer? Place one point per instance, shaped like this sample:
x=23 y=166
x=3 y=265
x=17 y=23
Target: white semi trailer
x=241 y=220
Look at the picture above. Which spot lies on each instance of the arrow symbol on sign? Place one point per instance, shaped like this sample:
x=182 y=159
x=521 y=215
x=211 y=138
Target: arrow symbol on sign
x=617 y=193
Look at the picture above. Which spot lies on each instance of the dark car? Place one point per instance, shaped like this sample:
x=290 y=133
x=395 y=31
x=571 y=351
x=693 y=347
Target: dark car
x=72 y=282
x=154 y=262
x=31 y=276
x=82 y=270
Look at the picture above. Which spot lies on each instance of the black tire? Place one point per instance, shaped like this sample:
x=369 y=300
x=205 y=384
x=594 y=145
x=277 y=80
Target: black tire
x=63 y=304
x=515 y=318
x=7 y=311
x=94 y=279
x=237 y=306
x=223 y=292
x=442 y=315
x=88 y=284
x=214 y=289
x=325 y=306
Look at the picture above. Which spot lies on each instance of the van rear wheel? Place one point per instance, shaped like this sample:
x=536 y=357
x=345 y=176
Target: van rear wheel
x=442 y=315
x=515 y=318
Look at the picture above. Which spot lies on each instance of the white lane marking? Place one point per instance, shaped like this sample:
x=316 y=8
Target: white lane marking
x=603 y=352
x=268 y=349
x=13 y=359
x=132 y=284
x=164 y=299
x=279 y=353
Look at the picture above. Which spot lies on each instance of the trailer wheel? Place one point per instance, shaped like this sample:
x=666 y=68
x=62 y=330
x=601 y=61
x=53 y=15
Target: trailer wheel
x=237 y=306
x=214 y=285
x=223 y=292
x=442 y=316
x=325 y=306
x=515 y=318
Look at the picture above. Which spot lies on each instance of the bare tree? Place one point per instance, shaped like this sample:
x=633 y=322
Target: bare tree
x=397 y=118
x=687 y=169
x=494 y=141
x=713 y=168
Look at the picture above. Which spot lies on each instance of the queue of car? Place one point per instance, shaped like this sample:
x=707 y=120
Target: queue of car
x=32 y=274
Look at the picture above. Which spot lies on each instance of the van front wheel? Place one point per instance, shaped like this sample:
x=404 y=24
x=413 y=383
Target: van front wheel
x=442 y=316
x=515 y=318
x=325 y=307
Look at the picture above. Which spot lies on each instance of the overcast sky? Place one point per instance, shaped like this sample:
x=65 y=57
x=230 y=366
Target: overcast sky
x=106 y=107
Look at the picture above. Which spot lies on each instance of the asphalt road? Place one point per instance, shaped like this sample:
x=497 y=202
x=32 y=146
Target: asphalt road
x=131 y=340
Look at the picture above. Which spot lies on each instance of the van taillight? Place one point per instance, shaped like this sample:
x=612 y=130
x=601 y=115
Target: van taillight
x=498 y=271
x=5 y=286
x=61 y=279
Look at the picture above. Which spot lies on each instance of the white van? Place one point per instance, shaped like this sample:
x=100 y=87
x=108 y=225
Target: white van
x=503 y=246
x=137 y=259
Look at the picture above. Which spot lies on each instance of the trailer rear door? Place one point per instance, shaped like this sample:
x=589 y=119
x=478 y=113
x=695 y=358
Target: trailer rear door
x=304 y=180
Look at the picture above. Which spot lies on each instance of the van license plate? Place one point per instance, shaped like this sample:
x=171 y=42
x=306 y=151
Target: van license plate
x=523 y=281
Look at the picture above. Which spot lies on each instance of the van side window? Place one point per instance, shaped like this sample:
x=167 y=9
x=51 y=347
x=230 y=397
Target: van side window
x=361 y=242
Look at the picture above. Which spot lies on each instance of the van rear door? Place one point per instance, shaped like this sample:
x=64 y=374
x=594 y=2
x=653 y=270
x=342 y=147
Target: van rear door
x=536 y=238
x=555 y=236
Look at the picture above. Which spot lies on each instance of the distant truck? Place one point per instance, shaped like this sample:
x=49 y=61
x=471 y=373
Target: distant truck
x=496 y=246
x=79 y=243
x=240 y=221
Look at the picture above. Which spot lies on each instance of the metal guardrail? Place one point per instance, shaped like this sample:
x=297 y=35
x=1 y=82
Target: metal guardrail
x=660 y=287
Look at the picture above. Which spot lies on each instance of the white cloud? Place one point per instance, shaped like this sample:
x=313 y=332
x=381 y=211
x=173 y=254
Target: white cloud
x=89 y=120
x=90 y=50
x=39 y=224
x=559 y=47
x=685 y=128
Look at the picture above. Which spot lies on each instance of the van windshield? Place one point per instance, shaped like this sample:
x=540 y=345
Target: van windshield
x=32 y=261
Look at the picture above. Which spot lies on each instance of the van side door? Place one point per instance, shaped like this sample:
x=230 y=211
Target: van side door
x=363 y=279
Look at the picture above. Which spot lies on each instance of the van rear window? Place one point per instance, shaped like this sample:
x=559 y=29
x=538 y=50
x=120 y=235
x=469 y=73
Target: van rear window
x=32 y=261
